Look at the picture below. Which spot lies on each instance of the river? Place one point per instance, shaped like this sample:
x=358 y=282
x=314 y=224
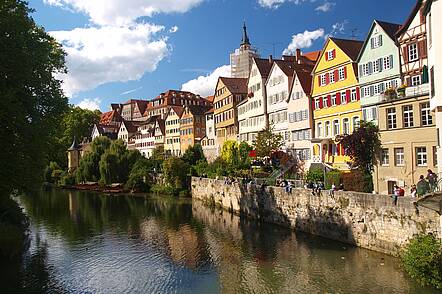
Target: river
x=91 y=243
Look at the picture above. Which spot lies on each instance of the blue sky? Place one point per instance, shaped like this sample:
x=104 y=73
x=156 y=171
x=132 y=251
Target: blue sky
x=122 y=49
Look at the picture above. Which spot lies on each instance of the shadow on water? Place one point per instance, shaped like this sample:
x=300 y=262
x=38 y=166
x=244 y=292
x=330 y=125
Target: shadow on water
x=84 y=242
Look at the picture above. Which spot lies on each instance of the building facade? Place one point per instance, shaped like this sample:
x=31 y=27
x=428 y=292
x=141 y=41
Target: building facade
x=144 y=139
x=229 y=92
x=433 y=12
x=133 y=109
x=252 y=112
x=192 y=125
x=278 y=87
x=209 y=143
x=172 y=146
x=379 y=68
x=336 y=100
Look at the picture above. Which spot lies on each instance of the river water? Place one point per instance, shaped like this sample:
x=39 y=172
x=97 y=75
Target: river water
x=91 y=243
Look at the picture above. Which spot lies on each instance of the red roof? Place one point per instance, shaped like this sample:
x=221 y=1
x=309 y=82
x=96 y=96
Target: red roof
x=350 y=47
x=210 y=98
x=312 y=56
x=110 y=116
x=235 y=85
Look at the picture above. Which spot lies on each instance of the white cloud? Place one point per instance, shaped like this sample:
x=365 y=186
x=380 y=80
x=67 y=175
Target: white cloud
x=273 y=4
x=205 y=85
x=303 y=40
x=123 y=12
x=338 y=28
x=173 y=29
x=325 y=7
x=98 y=55
x=91 y=104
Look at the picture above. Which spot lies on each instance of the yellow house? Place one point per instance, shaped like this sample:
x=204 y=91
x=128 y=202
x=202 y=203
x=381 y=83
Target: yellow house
x=335 y=100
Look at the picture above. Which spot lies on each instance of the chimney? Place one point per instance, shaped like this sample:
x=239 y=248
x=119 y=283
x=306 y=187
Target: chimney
x=298 y=55
x=270 y=58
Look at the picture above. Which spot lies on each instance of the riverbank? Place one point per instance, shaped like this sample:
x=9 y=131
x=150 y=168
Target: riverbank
x=364 y=220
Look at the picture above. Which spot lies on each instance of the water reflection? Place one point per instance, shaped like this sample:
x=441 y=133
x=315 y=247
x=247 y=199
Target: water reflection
x=112 y=244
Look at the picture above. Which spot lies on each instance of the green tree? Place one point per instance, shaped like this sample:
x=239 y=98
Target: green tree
x=32 y=101
x=76 y=122
x=363 y=147
x=88 y=169
x=243 y=152
x=193 y=154
x=267 y=142
x=229 y=153
x=158 y=157
x=140 y=179
x=175 y=171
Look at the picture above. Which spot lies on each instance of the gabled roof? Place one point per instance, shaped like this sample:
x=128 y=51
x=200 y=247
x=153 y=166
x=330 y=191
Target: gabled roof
x=110 y=116
x=235 y=85
x=350 y=47
x=288 y=67
x=210 y=98
x=161 y=124
x=198 y=109
x=131 y=126
x=177 y=109
x=264 y=66
x=304 y=74
x=312 y=56
x=410 y=18
x=389 y=29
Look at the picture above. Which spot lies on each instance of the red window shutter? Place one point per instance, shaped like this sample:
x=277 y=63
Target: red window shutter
x=326 y=56
x=329 y=100
x=405 y=53
x=327 y=79
x=358 y=93
x=321 y=104
x=338 y=98
x=342 y=150
x=334 y=53
x=347 y=95
x=313 y=104
x=345 y=72
x=338 y=149
x=330 y=150
x=336 y=75
x=319 y=80
x=422 y=48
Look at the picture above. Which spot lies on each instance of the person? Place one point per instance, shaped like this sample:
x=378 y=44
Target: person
x=432 y=179
x=401 y=192
x=332 y=190
x=413 y=191
x=422 y=186
x=288 y=188
x=341 y=187
x=396 y=192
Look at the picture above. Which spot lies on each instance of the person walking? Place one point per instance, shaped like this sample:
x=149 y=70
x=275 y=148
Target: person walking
x=422 y=187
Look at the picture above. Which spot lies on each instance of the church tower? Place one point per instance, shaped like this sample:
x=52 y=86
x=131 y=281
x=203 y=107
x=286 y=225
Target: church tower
x=241 y=59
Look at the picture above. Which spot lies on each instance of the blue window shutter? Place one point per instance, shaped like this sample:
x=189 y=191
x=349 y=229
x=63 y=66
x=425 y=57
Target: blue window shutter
x=370 y=67
x=371 y=90
x=391 y=61
x=361 y=70
x=380 y=40
x=381 y=64
x=372 y=43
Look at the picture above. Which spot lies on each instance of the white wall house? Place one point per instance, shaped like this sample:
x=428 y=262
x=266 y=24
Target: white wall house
x=209 y=143
x=145 y=138
x=433 y=12
x=278 y=87
x=252 y=112
x=300 y=116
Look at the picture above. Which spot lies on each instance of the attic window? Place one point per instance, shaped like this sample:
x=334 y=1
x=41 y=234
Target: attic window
x=330 y=55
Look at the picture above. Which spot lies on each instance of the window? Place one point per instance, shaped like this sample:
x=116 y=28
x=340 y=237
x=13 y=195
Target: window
x=365 y=70
x=327 y=129
x=343 y=97
x=421 y=156
x=353 y=95
x=426 y=118
x=341 y=73
x=391 y=118
x=333 y=100
x=415 y=80
x=385 y=157
x=319 y=130
x=413 y=52
x=330 y=55
x=323 y=80
x=376 y=42
x=399 y=159
x=336 y=127
x=376 y=66
x=366 y=92
x=408 y=116
x=317 y=103
x=388 y=62
x=324 y=101
x=346 y=126
x=356 y=122
x=331 y=77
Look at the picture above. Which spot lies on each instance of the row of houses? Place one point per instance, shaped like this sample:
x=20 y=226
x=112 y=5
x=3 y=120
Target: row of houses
x=310 y=98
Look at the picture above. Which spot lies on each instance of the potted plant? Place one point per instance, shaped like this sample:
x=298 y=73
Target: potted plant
x=401 y=90
x=390 y=94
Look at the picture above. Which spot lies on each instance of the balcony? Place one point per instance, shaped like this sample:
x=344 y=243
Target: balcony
x=406 y=92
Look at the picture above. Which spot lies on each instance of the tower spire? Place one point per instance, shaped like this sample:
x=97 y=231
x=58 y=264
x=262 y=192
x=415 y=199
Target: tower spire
x=245 y=38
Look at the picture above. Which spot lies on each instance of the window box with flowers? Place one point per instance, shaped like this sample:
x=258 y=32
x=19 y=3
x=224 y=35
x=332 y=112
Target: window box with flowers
x=401 y=90
x=390 y=94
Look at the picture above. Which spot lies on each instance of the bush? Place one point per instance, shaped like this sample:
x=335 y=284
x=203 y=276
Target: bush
x=67 y=180
x=332 y=177
x=422 y=260
x=139 y=177
x=314 y=175
x=358 y=182
x=176 y=173
x=13 y=228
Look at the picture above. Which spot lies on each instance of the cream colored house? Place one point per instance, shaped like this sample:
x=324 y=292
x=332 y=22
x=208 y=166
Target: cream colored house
x=172 y=144
x=409 y=140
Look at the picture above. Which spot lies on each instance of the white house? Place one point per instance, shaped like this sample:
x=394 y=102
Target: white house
x=209 y=143
x=145 y=137
x=278 y=87
x=252 y=112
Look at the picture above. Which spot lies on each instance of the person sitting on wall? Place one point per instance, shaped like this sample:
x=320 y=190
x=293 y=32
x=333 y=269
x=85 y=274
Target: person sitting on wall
x=413 y=191
x=432 y=179
x=422 y=187
x=396 y=193
x=332 y=190
x=288 y=187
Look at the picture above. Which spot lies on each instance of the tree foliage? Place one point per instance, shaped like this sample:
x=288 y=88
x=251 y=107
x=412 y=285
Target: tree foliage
x=32 y=101
x=229 y=152
x=175 y=171
x=139 y=178
x=76 y=122
x=193 y=154
x=267 y=142
x=422 y=260
x=88 y=169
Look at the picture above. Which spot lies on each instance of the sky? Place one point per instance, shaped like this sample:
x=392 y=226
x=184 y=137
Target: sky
x=136 y=49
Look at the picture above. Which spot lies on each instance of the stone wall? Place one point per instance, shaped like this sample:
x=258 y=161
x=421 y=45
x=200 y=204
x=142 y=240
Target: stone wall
x=365 y=220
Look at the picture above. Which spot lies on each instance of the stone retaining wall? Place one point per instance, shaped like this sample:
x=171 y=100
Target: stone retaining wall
x=365 y=220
